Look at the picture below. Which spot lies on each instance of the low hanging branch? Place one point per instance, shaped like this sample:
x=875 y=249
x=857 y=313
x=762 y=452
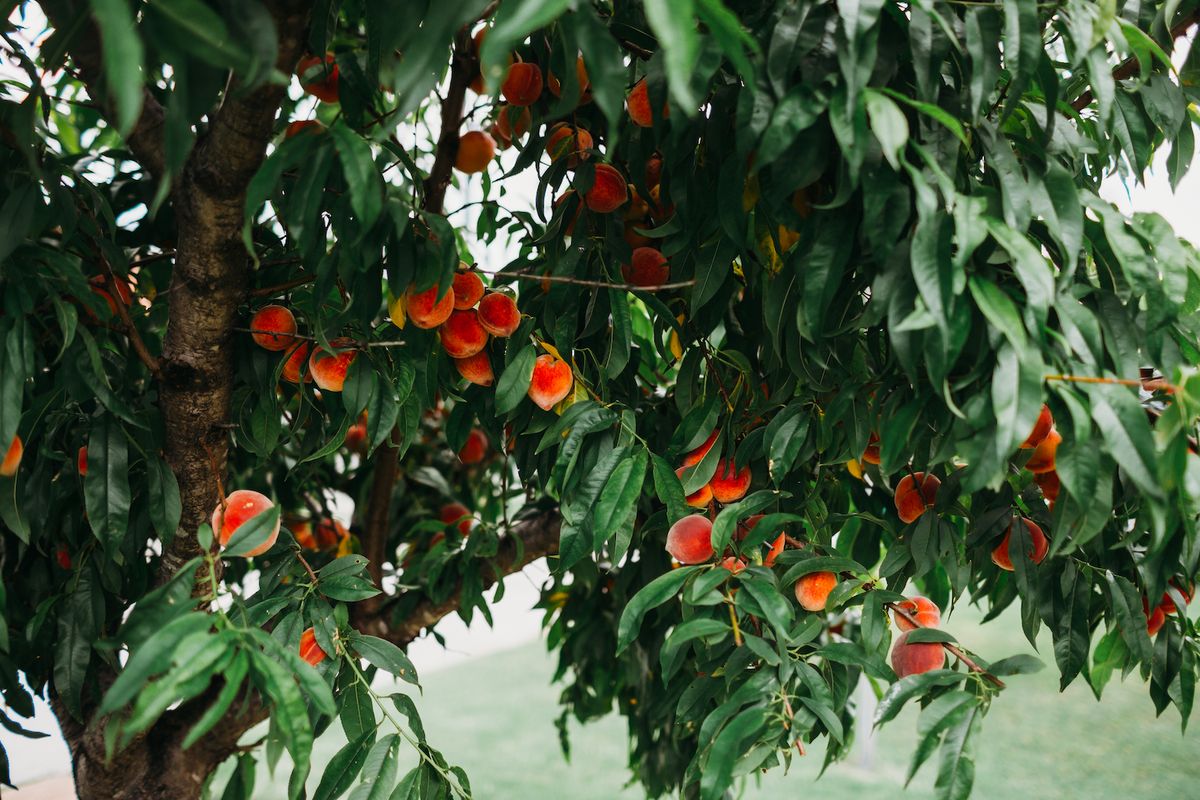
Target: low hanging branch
x=950 y=648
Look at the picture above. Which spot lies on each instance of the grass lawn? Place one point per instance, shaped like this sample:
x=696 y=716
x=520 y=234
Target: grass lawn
x=494 y=717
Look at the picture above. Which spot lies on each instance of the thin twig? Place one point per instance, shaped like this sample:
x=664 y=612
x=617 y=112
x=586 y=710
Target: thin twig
x=629 y=287
x=791 y=715
x=307 y=567
x=271 y=291
x=949 y=647
x=1151 y=384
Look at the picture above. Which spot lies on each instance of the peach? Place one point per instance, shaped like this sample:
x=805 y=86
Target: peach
x=329 y=368
x=609 y=190
x=745 y=526
x=551 y=382
x=273 y=328
x=356 y=436
x=297 y=127
x=468 y=288
x=922 y=609
x=81 y=461
x=775 y=551
x=635 y=239
x=475 y=448
x=100 y=287
x=239 y=508
x=498 y=314
x=1167 y=605
x=1155 y=620
x=318 y=78
x=456 y=512
x=1038 y=543
x=914 y=494
x=648 y=267
x=1040 y=429
x=729 y=484
x=568 y=227
x=812 y=590
x=12 y=458
x=659 y=208
x=581 y=77
x=476 y=149
x=574 y=143
x=689 y=541
x=1042 y=459
x=654 y=165
x=310 y=651
x=477 y=85
x=699 y=498
x=63 y=556
x=426 y=310
x=1049 y=483
x=523 y=84
x=462 y=335
x=734 y=565
x=477 y=369
x=695 y=456
x=913 y=659
x=293 y=365
x=871 y=454
x=637 y=209
x=512 y=123
x=327 y=534
x=638 y=104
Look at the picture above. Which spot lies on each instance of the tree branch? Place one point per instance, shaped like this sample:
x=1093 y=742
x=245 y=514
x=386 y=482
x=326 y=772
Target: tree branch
x=568 y=279
x=1129 y=66
x=952 y=649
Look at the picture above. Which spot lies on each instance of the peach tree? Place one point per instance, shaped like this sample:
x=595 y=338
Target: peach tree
x=790 y=308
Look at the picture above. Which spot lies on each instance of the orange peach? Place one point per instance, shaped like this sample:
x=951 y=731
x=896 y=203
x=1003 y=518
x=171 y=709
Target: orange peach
x=100 y=287
x=293 y=365
x=468 y=288
x=12 y=458
x=1042 y=459
x=729 y=484
x=512 y=123
x=310 y=651
x=745 y=526
x=609 y=190
x=356 y=436
x=329 y=368
x=699 y=498
x=523 y=84
x=689 y=541
x=498 y=314
x=273 y=328
x=297 y=127
x=462 y=335
x=913 y=659
x=648 y=267
x=1167 y=605
x=475 y=448
x=635 y=239
x=477 y=369
x=1155 y=620
x=775 y=551
x=327 y=534
x=1038 y=544
x=871 y=454
x=581 y=77
x=638 y=104
x=1040 y=429
x=734 y=565
x=574 y=143
x=318 y=77
x=81 y=462
x=660 y=209
x=922 y=609
x=551 y=382
x=458 y=513
x=476 y=149
x=914 y=494
x=1049 y=483
x=239 y=508
x=654 y=165
x=695 y=456
x=426 y=310
x=812 y=590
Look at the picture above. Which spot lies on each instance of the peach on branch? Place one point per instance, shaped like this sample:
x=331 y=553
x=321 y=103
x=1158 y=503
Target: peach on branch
x=689 y=541
x=609 y=190
x=914 y=494
x=638 y=104
x=1038 y=546
x=695 y=456
x=1049 y=483
x=699 y=498
x=916 y=658
x=654 y=165
x=775 y=551
x=297 y=127
x=1040 y=429
x=462 y=335
x=729 y=484
x=81 y=462
x=922 y=609
x=1154 y=620
x=523 y=84
x=812 y=590
x=476 y=149
x=498 y=314
x=734 y=565
x=1167 y=604
x=871 y=454
x=63 y=556
x=475 y=448
x=239 y=508
x=100 y=288
x=1043 y=456
x=648 y=267
x=356 y=436
x=310 y=651
x=293 y=365
x=327 y=533
x=12 y=458
x=456 y=513
x=581 y=77
x=329 y=368
x=425 y=309
x=574 y=143
x=273 y=328
x=477 y=368
x=511 y=123
x=551 y=382
x=468 y=288
x=319 y=77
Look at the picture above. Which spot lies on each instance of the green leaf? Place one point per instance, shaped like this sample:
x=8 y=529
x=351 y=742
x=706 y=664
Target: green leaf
x=152 y=658
x=165 y=507
x=1031 y=268
x=385 y=655
x=889 y=125
x=233 y=675
x=617 y=502
x=693 y=629
x=777 y=608
x=362 y=178
x=122 y=59
x=344 y=767
x=1022 y=664
x=649 y=597
x=956 y=770
x=674 y=25
x=357 y=714
x=513 y=22
x=379 y=770
x=252 y=533
x=514 y=382
x=1126 y=431
x=906 y=689
x=78 y=629
x=106 y=488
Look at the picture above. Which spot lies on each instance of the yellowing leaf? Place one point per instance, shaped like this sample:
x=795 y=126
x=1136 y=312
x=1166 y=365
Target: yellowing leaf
x=854 y=468
x=750 y=193
x=396 y=311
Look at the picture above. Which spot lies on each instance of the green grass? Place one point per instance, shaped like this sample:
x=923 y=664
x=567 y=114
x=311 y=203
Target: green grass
x=494 y=717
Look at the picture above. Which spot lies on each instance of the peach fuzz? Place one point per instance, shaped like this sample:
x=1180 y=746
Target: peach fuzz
x=689 y=541
x=81 y=462
x=318 y=77
x=699 y=498
x=468 y=288
x=574 y=143
x=812 y=590
x=1002 y=557
x=609 y=190
x=475 y=448
x=293 y=365
x=425 y=309
x=523 y=84
x=273 y=326
x=912 y=500
x=462 y=335
x=329 y=368
x=1040 y=429
x=1042 y=459
x=871 y=454
x=457 y=513
x=551 y=381
x=913 y=659
x=729 y=484
x=638 y=104
x=12 y=458
x=239 y=508
x=922 y=609
x=476 y=149
x=477 y=369
x=695 y=456
x=647 y=267
x=310 y=651
x=499 y=315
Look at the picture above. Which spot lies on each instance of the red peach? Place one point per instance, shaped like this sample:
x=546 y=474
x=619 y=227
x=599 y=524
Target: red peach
x=776 y=550
x=1001 y=555
x=293 y=365
x=456 y=512
x=12 y=458
x=551 y=382
x=1049 y=483
x=468 y=288
x=729 y=484
x=356 y=437
x=476 y=150
x=329 y=368
x=699 y=498
x=310 y=651
x=581 y=77
x=477 y=368
x=1040 y=429
x=274 y=327
x=1042 y=459
x=734 y=565
x=654 y=165
x=523 y=84
x=638 y=103
x=475 y=448
x=329 y=533
x=648 y=267
x=498 y=314
x=1155 y=620
x=512 y=123
x=100 y=287
x=635 y=239
x=318 y=78
x=689 y=541
x=81 y=461
x=609 y=190
x=574 y=143
x=871 y=454
x=697 y=455
x=462 y=335
x=1167 y=605
x=425 y=309
x=914 y=494
x=239 y=508
x=745 y=526
x=922 y=609
x=812 y=590
x=913 y=659
x=63 y=556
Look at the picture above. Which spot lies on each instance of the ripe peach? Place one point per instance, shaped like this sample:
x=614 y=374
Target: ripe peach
x=81 y=461
x=638 y=104
x=523 y=84
x=475 y=448
x=1042 y=459
x=574 y=143
x=812 y=590
x=476 y=149
x=468 y=288
x=1167 y=605
x=100 y=287
x=568 y=226
x=871 y=454
x=581 y=77
x=914 y=494
x=775 y=551
x=699 y=498
x=1040 y=429
x=1038 y=544
x=456 y=512
x=512 y=123
x=1049 y=483
x=689 y=541
x=734 y=565
x=424 y=308
x=1155 y=620
x=654 y=165
x=274 y=327
x=356 y=436
x=498 y=314
x=609 y=190
x=12 y=458
x=462 y=335
x=240 y=507
x=637 y=209
x=329 y=369
x=327 y=534
x=310 y=651
x=913 y=659
x=648 y=267
x=695 y=456
x=552 y=381
x=63 y=556
x=729 y=484
x=318 y=77
x=660 y=209
x=922 y=609
x=477 y=368
x=293 y=365
x=299 y=126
